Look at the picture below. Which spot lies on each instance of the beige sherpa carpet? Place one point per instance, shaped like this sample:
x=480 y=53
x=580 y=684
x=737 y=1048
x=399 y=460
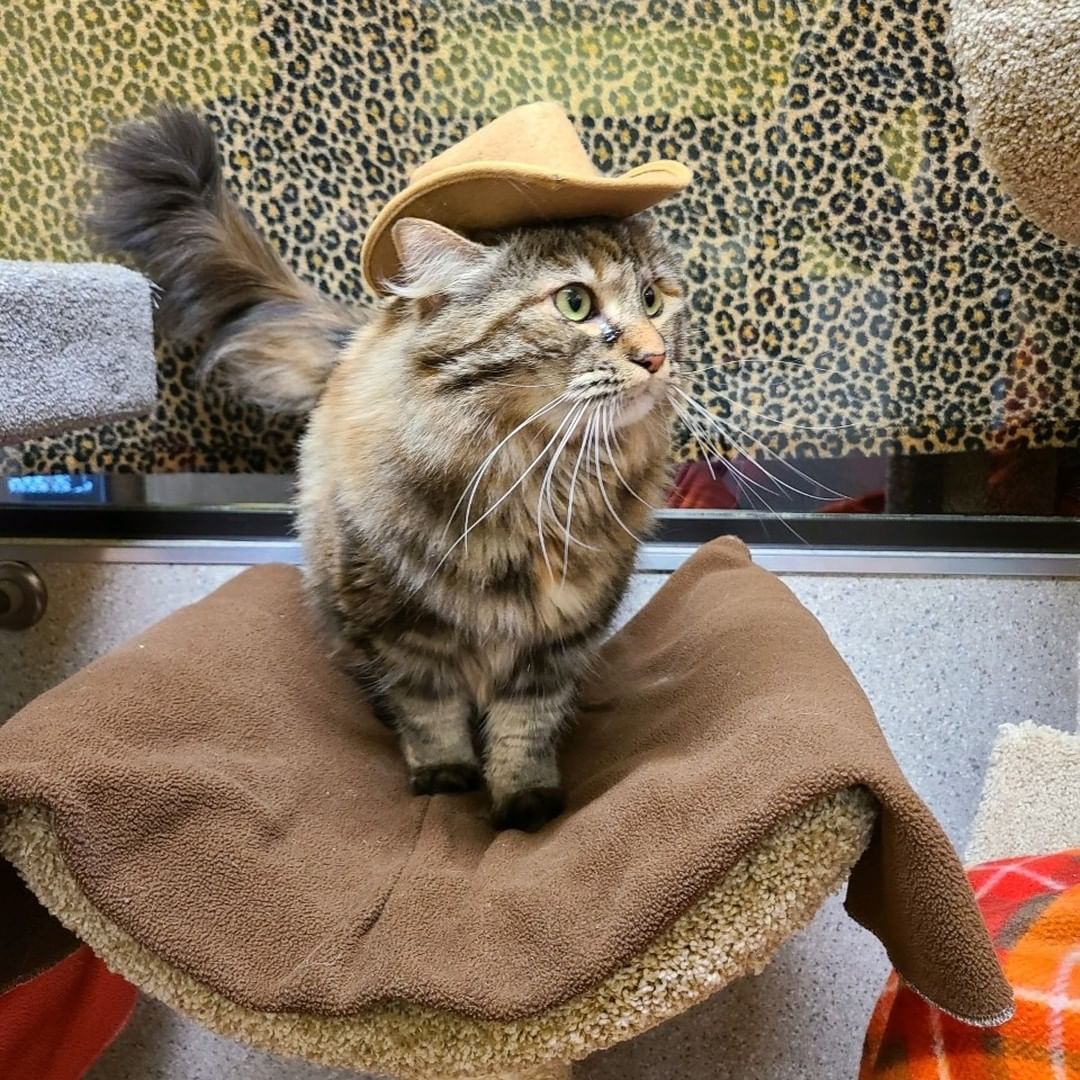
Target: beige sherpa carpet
x=1018 y=64
x=1031 y=800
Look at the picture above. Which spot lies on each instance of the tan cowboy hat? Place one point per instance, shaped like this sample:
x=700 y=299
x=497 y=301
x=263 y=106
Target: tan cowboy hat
x=526 y=167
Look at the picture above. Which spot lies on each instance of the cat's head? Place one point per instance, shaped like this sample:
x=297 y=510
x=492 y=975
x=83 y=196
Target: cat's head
x=585 y=312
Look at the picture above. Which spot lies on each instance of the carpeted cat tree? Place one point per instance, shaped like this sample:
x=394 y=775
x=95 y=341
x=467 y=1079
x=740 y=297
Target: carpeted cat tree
x=1018 y=64
x=219 y=816
x=76 y=347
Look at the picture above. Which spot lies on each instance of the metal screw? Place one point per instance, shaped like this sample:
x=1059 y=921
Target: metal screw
x=23 y=596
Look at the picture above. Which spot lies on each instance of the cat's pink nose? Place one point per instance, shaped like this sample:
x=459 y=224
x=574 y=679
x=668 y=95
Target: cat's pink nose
x=652 y=363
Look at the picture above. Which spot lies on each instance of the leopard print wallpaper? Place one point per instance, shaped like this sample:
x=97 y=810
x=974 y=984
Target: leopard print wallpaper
x=860 y=282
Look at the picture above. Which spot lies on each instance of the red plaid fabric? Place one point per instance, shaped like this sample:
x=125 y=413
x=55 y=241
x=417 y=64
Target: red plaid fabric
x=1032 y=908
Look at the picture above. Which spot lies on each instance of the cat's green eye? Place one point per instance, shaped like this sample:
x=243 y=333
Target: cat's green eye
x=574 y=302
x=653 y=301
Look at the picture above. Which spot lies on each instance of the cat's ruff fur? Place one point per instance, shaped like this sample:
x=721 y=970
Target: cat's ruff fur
x=477 y=467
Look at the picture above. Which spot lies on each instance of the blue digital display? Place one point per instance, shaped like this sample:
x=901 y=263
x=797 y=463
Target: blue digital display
x=58 y=488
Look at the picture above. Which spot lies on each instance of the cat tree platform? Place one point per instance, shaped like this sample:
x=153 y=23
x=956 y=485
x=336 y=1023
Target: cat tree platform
x=217 y=814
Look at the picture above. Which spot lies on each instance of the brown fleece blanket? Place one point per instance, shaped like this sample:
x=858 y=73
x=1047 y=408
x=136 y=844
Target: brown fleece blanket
x=222 y=794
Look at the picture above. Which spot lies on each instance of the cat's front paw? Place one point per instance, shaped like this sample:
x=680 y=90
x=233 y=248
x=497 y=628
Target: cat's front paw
x=453 y=779
x=528 y=810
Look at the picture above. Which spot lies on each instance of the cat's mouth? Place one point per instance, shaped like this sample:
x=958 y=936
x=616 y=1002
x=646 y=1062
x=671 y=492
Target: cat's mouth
x=634 y=405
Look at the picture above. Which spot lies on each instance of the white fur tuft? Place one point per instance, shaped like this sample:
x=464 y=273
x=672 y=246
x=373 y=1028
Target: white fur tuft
x=435 y=260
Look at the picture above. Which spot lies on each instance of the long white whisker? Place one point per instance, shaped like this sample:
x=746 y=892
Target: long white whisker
x=571 y=418
x=585 y=439
x=739 y=475
x=474 y=484
x=726 y=427
x=609 y=434
x=736 y=404
x=733 y=436
x=830 y=492
x=703 y=445
x=551 y=505
x=741 y=480
x=707 y=445
x=607 y=501
x=689 y=366
x=497 y=503
x=577 y=412
x=746 y=485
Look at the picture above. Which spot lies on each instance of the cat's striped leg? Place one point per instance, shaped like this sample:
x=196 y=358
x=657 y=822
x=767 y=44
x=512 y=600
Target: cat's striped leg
x=432 y=718
x=521 y=730
x=436 y=740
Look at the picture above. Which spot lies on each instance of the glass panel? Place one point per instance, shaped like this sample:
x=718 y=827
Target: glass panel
x=880 y=329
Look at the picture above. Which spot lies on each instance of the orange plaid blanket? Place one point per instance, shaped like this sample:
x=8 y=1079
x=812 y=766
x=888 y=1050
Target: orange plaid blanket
x=1032 y=908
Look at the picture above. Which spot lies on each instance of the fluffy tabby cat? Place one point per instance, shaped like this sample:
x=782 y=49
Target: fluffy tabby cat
x=480 y=456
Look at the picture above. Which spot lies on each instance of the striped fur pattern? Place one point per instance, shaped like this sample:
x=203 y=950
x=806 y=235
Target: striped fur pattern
x=475 y=477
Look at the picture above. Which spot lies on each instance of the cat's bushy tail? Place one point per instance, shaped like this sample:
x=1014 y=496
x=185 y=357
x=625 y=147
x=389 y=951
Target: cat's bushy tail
x=162 y=201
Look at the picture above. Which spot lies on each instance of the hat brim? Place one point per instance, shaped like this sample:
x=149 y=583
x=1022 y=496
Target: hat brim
x=469 y=198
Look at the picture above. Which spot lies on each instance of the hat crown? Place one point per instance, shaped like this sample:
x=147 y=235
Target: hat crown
x=540 y=135
x=525 y=168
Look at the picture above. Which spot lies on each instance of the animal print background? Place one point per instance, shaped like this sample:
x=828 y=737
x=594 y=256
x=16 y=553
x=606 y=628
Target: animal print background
x=859 y=281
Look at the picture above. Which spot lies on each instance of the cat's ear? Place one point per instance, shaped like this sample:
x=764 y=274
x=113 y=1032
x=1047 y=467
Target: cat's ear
x=434 y=258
